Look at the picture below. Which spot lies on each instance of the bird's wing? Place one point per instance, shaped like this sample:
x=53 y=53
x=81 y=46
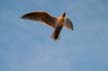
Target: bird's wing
x=41 y=16
x=68 y=23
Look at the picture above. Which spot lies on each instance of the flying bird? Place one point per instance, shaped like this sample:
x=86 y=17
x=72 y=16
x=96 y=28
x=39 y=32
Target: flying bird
x=57 y=23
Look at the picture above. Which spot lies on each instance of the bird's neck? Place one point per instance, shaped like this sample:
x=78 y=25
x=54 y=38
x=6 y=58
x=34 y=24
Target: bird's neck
x=60 y=20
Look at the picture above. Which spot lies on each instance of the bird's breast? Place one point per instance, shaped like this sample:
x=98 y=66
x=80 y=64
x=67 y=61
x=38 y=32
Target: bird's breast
x=60 y=22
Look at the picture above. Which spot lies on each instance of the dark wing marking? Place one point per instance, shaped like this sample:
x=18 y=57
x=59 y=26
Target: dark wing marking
x=41 y=16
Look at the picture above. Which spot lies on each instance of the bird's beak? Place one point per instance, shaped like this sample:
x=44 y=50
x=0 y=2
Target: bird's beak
x=64 y=14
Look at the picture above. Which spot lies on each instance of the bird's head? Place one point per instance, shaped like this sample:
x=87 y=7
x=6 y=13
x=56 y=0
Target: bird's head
x=62 y=17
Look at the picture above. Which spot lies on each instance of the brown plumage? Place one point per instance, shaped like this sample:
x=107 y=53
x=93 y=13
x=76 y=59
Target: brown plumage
x=56 y=23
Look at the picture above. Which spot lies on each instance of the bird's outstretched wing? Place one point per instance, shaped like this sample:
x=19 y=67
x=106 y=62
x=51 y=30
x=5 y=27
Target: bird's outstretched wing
x=41 y=16
x=68 y=23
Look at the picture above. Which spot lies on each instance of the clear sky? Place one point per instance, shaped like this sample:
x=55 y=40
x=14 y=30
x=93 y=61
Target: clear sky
x=26 y=45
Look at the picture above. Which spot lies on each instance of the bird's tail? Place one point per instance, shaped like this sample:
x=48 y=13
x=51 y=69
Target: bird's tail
x=56 y=34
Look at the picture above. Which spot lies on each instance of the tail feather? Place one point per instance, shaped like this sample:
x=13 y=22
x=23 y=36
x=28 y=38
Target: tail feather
x=56 y=33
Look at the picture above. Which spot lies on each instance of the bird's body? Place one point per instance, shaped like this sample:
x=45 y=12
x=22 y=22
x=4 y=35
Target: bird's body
x=56 y=23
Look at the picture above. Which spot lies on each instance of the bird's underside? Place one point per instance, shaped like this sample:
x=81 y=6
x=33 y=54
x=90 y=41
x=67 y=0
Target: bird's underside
x=50 y=21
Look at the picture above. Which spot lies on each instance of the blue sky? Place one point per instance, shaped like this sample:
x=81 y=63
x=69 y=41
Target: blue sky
x=26 y=45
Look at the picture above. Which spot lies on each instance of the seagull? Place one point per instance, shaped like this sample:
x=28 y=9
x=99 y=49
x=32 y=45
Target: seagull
x=57 y=23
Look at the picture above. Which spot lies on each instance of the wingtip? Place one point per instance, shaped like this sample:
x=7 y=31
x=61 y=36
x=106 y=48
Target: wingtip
x=23 y=17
